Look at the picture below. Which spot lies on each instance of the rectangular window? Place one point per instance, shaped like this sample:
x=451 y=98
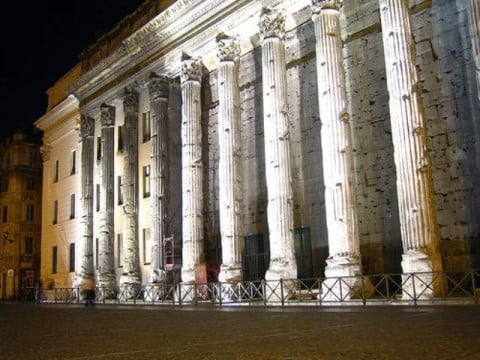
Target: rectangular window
x=72 y=206
x=97 y=197
x=120 y=250
x=30 y=184
x=146 y=181
x=74 y=163
x=146 y=126
x=55 y=212
x=71 y=256
x=54 y=260
x=55 y=172
x=30 y=212
x=120 y=189
x=99 y=148
x=147 y=247
x=28 y=245
x=4 y=183
x=121 y=137
x=96 y=253
x=5 y=214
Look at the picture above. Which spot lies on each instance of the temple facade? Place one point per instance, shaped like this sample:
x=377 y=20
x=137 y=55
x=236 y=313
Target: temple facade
x=222 y=140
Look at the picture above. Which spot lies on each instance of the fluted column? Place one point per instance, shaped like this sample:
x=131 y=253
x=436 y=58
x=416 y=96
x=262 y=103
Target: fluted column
x=131 y=274
x=192 y=168
x=87 y=127
x=474 y=12
x=229 y=167
x=277 y=147
x=337 y=154
x=159 y=87
x=106 y=268
x=412 y=162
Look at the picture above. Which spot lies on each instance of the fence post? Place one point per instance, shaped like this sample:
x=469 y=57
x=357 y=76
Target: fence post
x=414 y=289
x=281 y=293
x=364 y=297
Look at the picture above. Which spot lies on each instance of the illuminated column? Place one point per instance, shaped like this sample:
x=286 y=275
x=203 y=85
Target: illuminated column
x=474 y=12
x=106 y=271
x=87 y=127
x=337 y=154
x=229 y=167
x=277 y=147
x=159 y=90
x=192 y=168
x=412 y=162
x=131 y=275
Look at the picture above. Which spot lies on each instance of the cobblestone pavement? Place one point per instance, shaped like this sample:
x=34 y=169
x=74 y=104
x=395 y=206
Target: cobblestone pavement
x=30 y=331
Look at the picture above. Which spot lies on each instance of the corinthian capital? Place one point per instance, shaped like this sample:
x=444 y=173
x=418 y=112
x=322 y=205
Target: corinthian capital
x=318 y=5
x=87 y=127
x=228 y=47
x=158 y=87
x=130 y=101
x=272 y=23
x=107 y=115
x=191 y=68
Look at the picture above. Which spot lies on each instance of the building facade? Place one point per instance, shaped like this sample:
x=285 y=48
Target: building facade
x=238 y=140
x=20 y=218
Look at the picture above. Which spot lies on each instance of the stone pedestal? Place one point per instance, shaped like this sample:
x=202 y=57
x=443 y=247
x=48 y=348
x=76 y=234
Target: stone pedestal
x=413 y=167
x=229 y=167
x=159 y=87
x=192 y=168
x=277 y=148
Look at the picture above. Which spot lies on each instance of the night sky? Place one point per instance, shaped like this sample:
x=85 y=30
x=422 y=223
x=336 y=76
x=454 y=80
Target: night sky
x=41 y=41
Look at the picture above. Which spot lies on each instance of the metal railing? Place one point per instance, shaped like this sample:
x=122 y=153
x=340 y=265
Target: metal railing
x=383 y=289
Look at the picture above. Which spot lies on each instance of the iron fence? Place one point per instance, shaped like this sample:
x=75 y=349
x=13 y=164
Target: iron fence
x=383 y=289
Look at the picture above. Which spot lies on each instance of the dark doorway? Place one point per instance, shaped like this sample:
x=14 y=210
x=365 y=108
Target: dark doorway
x=255 y=259
x=303 y=253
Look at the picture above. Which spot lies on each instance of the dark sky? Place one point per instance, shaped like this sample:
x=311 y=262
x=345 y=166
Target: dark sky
x=41 y=40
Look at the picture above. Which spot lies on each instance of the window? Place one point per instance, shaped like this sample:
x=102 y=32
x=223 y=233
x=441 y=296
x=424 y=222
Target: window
x=33 y=158
x=146 y=181
x=55 y=212
x=4 y=183
x=99 y=148
x=28 y=245
x=30 y=184
x=54 y=260
x=5 y=214
x=120 y=189
x=120 y=250
x=147 y=248
x=121 y=137
x=72 y=206
x=96 y=253
x=55 y=174
x=71 y=256
x=30 y=212
x=74 y=163
x=146 y=126
x=97 y=197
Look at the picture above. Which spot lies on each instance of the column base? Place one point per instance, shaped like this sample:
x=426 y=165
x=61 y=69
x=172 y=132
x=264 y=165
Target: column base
x=417 y=281
x=157 y=285
x=130 y=285
x=284 y=270
x=344 y=281
x=157 y=276
x=230 y=274
x=106 y=286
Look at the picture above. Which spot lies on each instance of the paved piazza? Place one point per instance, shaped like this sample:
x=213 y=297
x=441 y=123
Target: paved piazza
x=30 y=331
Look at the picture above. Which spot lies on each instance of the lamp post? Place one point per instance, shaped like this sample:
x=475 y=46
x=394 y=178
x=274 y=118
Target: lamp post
x=4 y=278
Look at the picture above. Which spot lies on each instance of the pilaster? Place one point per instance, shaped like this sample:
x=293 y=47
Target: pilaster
x=229 y=167
x=192 y=168
x=277 y=147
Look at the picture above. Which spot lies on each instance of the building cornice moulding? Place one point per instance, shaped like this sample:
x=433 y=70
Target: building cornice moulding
x=67 y=107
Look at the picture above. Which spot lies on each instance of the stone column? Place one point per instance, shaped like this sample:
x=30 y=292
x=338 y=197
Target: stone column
x=192 y=167
x=229 y=167
x=131 y=274
x=474 y=12
x=87 y=129
x=106 y=270
x=337 y=154
x=159 y=87
x=277 y=147
x=413 y=167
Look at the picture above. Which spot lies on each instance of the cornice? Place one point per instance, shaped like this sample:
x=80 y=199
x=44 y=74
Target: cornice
x=68 y=106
